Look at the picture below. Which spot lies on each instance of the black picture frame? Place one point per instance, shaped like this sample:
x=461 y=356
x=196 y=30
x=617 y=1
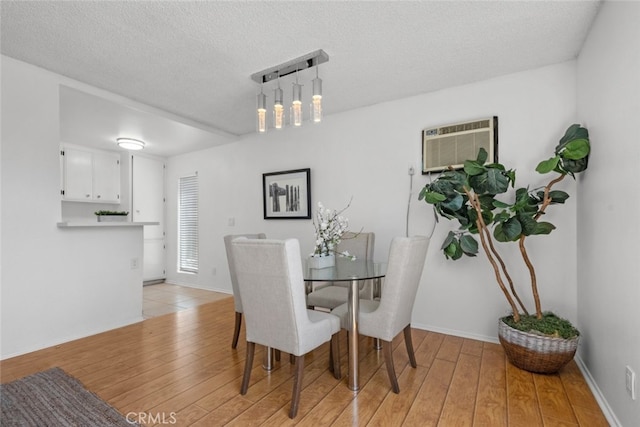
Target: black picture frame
x=287 y=194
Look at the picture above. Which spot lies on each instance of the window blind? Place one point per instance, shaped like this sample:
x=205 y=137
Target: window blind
x=188 y=224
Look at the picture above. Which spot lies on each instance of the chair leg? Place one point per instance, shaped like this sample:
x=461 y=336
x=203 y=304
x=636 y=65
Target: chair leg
x=387 y=349
x=331 y=355
x=409 y=344
x=297 y=386
x=334 y=356
x=277 y=354
x=248 y=364
x=236 y=330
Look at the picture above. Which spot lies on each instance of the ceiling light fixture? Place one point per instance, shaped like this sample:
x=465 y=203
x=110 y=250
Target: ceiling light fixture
x=296 y=104
x=302 y=63
x=130 y=143
x=262 y=112
x=278 y=108
x=316 y=100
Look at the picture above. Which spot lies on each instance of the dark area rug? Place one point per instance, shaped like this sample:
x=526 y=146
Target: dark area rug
x=54 y=398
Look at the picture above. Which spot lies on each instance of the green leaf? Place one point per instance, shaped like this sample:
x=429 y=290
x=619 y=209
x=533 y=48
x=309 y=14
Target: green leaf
x=469 y=245
x=558 y=196
x=433 y=197
x=547 y=166
x=486 y=202
x=501 y=217
x=500 y=205
x=576 y=149
x=422 y=193
x=544 y=228
x=508 y=231
x=528 y=224
x=473 y=168
x=453 y=203
x=453 y=250
x=482 y=156
x=448 y=240
x=574 y=131
x=499 y=234
x=573 y=166
x=493 y=181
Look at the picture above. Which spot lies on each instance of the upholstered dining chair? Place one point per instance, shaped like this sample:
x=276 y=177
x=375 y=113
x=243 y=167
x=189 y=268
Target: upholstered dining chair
x=333 y=294
x=271 y=284
x=234 y=282
x=386 y=317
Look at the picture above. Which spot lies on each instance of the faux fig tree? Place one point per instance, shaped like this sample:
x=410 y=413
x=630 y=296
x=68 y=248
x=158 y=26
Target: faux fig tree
x=470 y=197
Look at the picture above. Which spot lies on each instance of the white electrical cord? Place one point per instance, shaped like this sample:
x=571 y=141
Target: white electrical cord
x=411 y=173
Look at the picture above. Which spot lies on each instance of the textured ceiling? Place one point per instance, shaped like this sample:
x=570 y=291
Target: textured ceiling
x=195 y=59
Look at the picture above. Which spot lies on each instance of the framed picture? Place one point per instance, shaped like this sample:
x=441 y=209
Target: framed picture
x=287 y=194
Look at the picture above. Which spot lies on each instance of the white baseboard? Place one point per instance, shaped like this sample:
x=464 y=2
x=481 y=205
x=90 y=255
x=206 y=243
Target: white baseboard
x=456 y=333
x=602 y=402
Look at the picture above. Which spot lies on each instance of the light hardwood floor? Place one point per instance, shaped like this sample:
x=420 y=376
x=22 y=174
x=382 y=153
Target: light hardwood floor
x=164 y=298
x=181 y=366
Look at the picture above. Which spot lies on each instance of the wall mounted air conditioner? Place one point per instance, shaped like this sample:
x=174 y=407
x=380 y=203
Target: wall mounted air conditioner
x=451 y=145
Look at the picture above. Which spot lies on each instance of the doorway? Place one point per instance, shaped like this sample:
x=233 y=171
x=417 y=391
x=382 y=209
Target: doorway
x=147 y=205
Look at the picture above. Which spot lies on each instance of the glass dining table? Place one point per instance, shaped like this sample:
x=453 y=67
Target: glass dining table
x=355 y=273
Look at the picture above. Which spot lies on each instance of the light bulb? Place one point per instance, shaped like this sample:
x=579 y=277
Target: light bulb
x=278 y=116
x=262 y=121
x=296 y=105
x=316 y=102
x=262 y=113
x=278 y=108
x=316 y=109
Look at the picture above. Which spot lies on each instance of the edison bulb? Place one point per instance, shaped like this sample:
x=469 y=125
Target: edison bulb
x=262 y=120
x=278 y=116
x=316 y=108
x=296 y=113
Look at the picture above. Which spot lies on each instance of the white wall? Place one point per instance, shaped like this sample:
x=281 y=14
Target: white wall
x=609 y=279
x=365 y=154
x=56 y=284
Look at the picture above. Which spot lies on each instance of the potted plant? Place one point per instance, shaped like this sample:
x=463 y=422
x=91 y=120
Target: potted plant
x=329 y=226
x=540 y=341
x=111 y=216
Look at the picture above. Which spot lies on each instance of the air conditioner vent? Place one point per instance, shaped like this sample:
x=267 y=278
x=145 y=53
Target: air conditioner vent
x=450 y=145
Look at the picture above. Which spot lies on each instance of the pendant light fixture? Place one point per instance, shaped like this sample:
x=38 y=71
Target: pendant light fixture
x=296 y=104
x=297 y=65
x=316 y=100
x=278 y=108
x=262 y=112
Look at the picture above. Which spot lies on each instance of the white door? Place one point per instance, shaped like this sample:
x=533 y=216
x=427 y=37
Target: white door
x=148 y=205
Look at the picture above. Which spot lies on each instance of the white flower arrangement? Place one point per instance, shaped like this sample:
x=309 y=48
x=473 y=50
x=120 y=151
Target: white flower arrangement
x=329 y=226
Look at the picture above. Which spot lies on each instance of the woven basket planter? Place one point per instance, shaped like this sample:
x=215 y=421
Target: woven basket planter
x=536 y=353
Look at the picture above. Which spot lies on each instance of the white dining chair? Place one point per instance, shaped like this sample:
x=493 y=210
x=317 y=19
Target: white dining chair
x=332 y=294
x=237 y=301
x=386 y=317
x=271 y=284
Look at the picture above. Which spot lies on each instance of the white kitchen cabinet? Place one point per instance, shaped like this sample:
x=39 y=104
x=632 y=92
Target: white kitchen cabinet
x=90 y=175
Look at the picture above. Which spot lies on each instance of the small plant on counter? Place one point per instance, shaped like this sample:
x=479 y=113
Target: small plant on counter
x=111 y=213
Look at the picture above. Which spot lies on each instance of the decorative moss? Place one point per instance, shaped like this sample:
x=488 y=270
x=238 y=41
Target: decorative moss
x=550 y=325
